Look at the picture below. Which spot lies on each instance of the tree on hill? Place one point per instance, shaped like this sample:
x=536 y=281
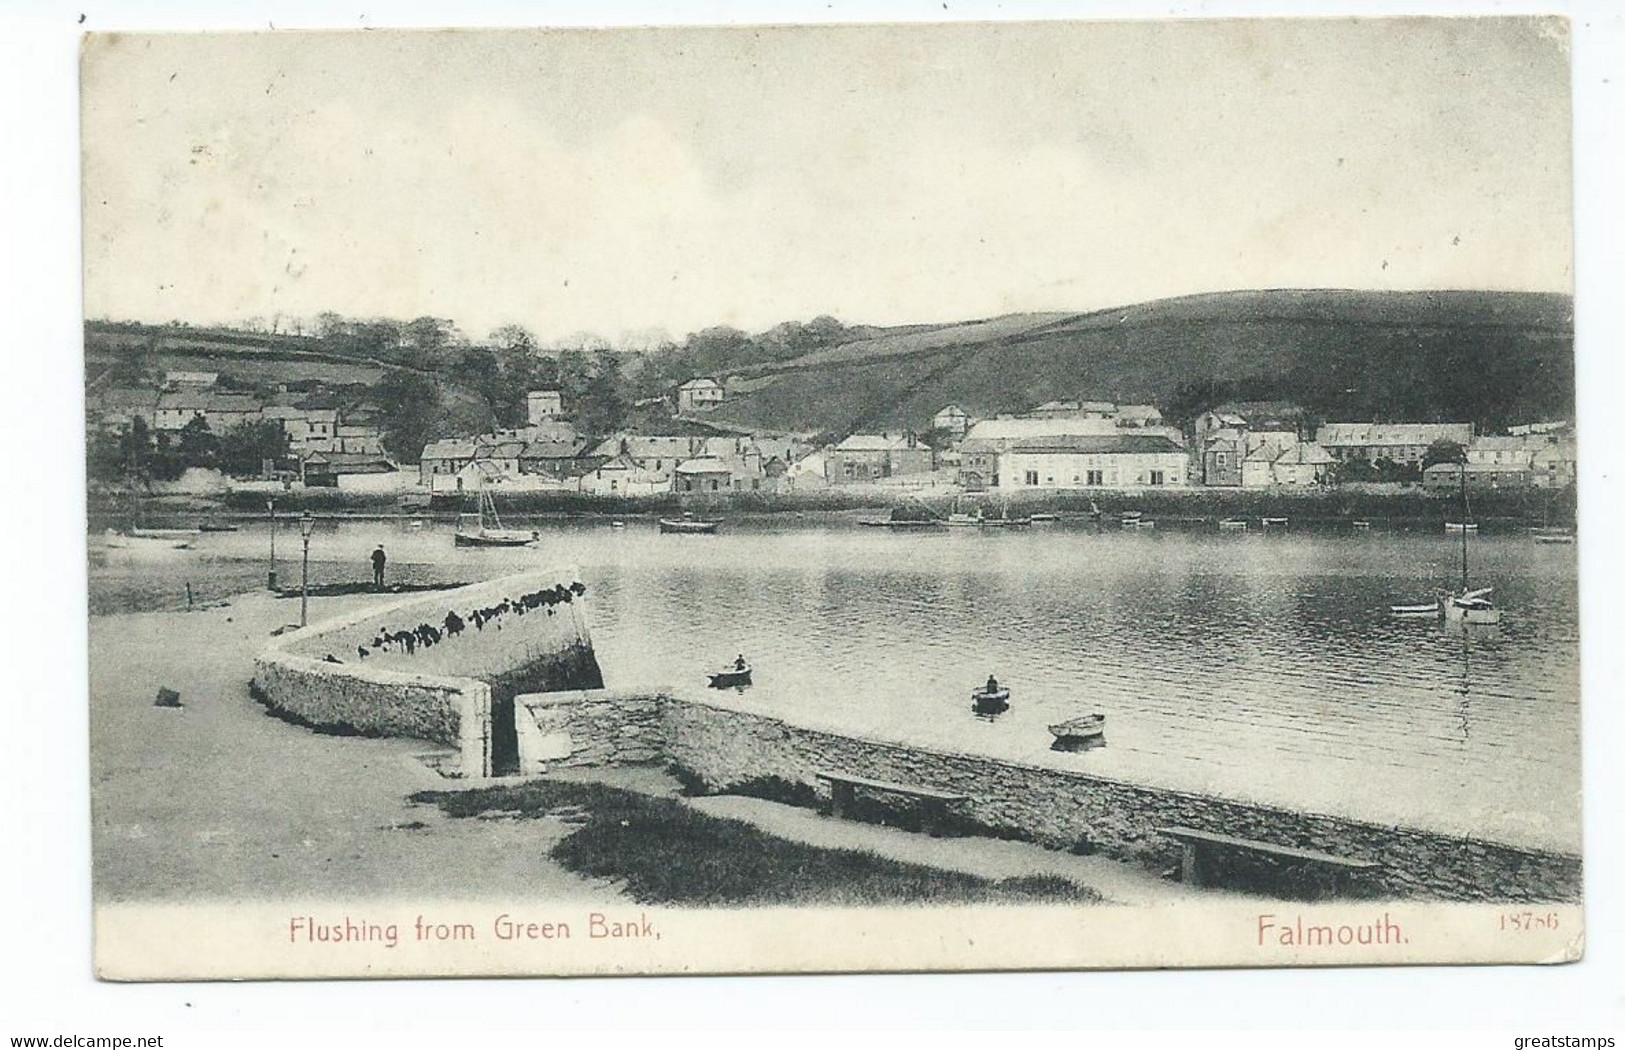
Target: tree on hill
x=244 y=448
x=411 y=412
x=198 y=446
x=1444 y=451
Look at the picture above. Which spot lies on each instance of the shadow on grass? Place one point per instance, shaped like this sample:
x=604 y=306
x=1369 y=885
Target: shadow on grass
x=663 y=852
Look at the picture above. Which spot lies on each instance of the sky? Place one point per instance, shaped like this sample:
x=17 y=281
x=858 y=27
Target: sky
x=621 y=181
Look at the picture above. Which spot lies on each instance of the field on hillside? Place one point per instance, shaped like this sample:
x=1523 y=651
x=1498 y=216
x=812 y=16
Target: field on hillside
x=1489 y=358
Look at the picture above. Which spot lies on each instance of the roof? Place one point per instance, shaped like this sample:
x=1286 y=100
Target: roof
x=700 y=383
x=1099 y=444
x=1476 y=468
x=124 y=397
x=208 y=401
x=1359 y=434
x=703 y=465
x=1139 y=411
x=1499 y=442
x=954 y=409
x=553 y=448
x=872 y=443
x=650 y=446
x=1306 y=453
x=1262 y=409
x=350 y=462
x=487 y=447
x=1031 y=429
x=449 y=448
x=1229 y=419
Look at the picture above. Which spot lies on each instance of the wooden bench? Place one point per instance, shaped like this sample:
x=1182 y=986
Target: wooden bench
x=933 y=803
x=1328 y=870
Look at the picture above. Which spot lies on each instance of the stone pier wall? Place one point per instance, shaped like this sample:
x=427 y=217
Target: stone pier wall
x=721 y=746
x=527 y=630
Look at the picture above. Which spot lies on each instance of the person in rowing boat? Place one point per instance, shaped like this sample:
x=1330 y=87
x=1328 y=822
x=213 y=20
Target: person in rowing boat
x=992 y=686
x=739 y=662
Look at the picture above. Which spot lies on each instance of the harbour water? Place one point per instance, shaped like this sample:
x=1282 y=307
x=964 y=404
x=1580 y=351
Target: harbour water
x=1256 y=666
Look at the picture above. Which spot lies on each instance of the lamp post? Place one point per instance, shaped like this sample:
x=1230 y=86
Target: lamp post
x=270 y=577
x=307 y=525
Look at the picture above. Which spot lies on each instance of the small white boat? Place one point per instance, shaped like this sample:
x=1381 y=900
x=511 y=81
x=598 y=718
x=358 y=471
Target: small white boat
x=1273 y=523
x=1460 y=526
x=1078 y=732
x=1043 y=517
x=164 y=534
x=688 y=523
x=1130 y=515
x=733 y=676
x=121 y=541
x=1554 y=537
x=1362 y=525
x=617 y=524
x=1233 y=525
x=1472 y=607
x=1429 y=610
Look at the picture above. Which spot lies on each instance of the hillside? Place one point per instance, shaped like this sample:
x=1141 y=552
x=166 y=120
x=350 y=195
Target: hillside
x=1490 y=357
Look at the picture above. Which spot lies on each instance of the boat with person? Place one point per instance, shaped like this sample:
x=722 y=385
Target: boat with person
x=688 y=523
x=1077 y=733
x=734 y=676
x=991 y=698
x=485 y=528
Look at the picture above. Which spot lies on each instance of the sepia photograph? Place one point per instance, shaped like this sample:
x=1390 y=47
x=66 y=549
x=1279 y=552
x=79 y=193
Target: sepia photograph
x=831 y=498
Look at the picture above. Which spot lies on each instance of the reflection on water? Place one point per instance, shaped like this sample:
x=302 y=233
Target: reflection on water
x=1259 y=666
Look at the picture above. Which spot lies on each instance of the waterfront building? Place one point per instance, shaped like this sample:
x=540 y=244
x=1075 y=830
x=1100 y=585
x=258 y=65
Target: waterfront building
x=1074 y=410
x=543 y=405
x=443 y=457
x=978 y=465
x=1093 y=462
x=1446 y=477
x=1291 y=463
x=558 y=458
x=951 y=419
x=1553 y=464
x=1503 y=449
x=346 y=470
x=865 y=458
x=1403 y=443
x=699 y=394
x=621 y=476
x=706 y=474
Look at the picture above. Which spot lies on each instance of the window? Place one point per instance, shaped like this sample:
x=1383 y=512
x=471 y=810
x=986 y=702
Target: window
x=1096 y=477
x=1032 y=477
x=1156 y=477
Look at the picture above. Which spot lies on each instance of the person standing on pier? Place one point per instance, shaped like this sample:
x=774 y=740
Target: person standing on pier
x=378 y=560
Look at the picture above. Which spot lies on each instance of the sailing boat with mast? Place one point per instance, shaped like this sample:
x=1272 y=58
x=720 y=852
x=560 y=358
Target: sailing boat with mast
x=485 y=528
x=1469 y=606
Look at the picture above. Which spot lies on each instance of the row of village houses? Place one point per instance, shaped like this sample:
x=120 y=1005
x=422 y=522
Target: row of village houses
x=1057 y=445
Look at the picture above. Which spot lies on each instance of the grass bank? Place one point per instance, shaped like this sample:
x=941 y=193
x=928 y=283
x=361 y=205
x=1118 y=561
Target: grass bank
x=664 y=852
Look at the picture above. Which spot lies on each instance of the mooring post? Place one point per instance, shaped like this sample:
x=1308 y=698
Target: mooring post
x=188 y=594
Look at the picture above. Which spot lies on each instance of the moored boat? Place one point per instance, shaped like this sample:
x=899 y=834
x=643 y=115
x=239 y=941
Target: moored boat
x=1273 y=523
x=125 y=541
x=1362 y=524
x=1461 y=526
x=1078 y=732
x=163 y=534
x=1233 y=525
x=1428 y=610
x=688 y=523
x=1554 y=537
x=485 y=529
x=1472 y=607
x=217 y=526
x=1043 y=517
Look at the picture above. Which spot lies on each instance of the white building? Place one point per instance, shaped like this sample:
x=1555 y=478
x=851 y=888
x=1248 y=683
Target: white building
x=951 y=419
x=699 y=394
x=1396 y=442
x=1085 y=461
x=543 y=405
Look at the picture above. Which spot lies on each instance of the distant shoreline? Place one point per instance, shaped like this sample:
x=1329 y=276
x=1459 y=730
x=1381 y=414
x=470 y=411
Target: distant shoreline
x=1194 y=505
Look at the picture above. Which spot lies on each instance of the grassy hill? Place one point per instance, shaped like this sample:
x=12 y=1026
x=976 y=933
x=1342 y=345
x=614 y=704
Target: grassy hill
x=1490 y=357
